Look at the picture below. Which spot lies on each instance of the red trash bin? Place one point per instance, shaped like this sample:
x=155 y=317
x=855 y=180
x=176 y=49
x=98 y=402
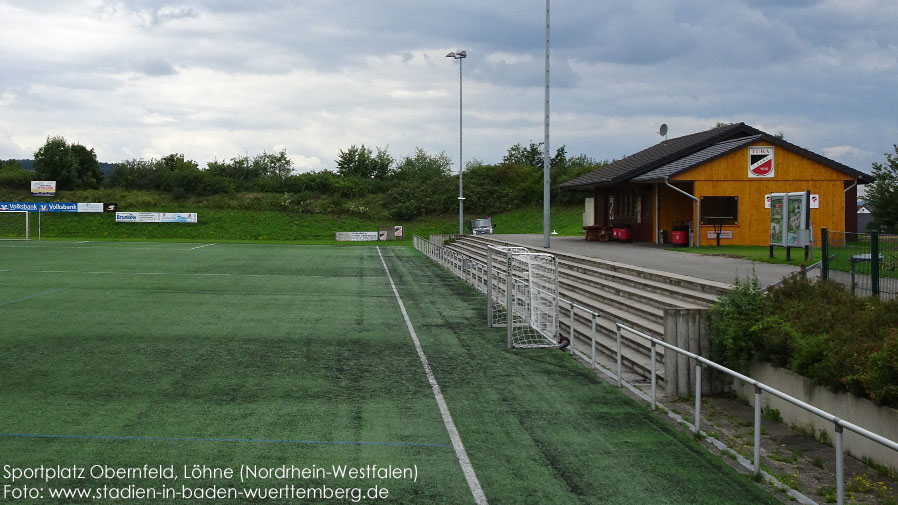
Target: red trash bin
x=623 y=234
x=679 y=236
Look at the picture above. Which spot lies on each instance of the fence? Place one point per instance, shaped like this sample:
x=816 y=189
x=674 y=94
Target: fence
x=839 y=425
x=865 y=262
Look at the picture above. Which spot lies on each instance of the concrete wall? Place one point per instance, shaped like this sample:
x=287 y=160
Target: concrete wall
x=864 y=413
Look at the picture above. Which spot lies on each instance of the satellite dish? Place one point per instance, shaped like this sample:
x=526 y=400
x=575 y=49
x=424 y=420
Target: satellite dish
x=663 y=130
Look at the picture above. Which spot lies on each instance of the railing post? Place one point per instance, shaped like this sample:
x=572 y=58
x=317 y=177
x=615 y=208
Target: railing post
x=698 y=397
x=840 y=466
x=757 y=459
x=620 y=379
x=572 y=325
x=874 y=263
x=654 y=379
x=824 y=247
x=489 y=287
x=593 y=342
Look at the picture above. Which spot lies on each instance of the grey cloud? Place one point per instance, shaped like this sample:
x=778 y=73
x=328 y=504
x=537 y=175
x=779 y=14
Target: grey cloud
x=153 y=67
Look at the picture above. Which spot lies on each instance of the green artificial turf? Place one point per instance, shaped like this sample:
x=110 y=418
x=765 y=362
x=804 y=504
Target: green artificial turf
x=131 y=354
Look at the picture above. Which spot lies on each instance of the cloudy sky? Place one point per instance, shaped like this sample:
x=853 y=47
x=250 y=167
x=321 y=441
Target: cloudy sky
x=217 y=79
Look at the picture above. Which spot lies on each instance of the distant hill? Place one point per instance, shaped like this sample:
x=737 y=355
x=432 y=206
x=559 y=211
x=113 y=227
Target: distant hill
x=107 y=168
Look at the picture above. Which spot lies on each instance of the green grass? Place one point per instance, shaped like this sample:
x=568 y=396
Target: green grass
x=274 y=226
x=839 y=262
x=754 y=253
x=307 y=343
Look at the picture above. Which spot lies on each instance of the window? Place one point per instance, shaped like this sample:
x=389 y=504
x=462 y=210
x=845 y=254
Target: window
x=720 y=210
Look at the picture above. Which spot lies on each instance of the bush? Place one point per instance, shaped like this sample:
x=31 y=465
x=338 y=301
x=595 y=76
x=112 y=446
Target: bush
x=14 y=176
x=733 y=318
x=818 y=330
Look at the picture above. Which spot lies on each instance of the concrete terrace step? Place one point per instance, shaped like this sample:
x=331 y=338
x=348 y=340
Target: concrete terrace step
x=662 y=293
x=696 y=291
x=664 y=278
x=613 y=286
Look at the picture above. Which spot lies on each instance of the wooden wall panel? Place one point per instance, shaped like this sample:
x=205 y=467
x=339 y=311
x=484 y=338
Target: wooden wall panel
x=728 y=176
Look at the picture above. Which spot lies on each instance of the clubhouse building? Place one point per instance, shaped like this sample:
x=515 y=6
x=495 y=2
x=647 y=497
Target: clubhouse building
x=715 y=181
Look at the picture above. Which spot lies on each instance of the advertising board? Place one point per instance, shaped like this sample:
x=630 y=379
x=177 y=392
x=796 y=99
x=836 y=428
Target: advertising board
x=155 y=217
x=43 y=188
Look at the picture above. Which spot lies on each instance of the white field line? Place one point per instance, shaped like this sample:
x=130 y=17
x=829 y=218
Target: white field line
x=199 y=247
x=457 y=444
x=29 y=297
x=187 y=274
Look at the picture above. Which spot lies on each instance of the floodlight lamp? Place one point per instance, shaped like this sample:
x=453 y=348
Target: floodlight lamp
x=451 y=55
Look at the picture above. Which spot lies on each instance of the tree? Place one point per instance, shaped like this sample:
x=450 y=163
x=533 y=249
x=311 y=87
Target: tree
x=532 y=155
x=55 y=161
x=362 y=162
x=273 y=166
x=882 y=195
x=421 y=185
x=13 y=175
x=88 y=168
x=71 y=166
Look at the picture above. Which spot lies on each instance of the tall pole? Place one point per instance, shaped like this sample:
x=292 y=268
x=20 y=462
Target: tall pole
x=461 y=160
x=460 y=55
x=547 y=178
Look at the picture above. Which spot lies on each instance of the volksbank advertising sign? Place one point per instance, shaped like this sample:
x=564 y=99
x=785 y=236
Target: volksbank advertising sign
x=51 y=207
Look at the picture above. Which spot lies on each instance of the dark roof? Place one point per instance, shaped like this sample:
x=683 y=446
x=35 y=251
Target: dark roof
x=677 y=155
x=697 y=158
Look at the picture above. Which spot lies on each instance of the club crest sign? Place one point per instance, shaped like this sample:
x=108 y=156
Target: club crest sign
x=760 y=162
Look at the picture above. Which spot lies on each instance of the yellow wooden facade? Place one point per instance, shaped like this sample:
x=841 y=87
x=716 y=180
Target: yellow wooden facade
x=728 y=176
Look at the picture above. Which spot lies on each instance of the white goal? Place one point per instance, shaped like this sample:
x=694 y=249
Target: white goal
x=14 y=225
x=522 y=295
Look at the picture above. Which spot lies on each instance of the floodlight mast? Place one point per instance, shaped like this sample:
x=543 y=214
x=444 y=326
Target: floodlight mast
x=460 y=55
x=547 y=178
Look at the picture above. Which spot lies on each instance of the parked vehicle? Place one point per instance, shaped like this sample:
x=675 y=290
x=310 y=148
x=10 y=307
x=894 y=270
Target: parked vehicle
x=481 y=226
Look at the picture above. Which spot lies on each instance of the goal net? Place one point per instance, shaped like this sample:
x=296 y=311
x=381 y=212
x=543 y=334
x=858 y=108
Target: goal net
x=14 y=225
x=522 y=295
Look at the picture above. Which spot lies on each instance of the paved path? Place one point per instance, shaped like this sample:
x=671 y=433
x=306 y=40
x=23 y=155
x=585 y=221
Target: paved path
x=715 y=268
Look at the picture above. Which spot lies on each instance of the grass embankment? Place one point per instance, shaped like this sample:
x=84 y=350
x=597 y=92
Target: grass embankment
x=259 y=217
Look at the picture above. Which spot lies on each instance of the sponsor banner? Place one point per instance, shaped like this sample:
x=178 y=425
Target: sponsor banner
x=52 y=207
x=356 y=236
x=178 y=217
x=39 y=207
x=155 y=217
x=723 y=234
x=43 y=188
x=760 y=162
x=90 y=207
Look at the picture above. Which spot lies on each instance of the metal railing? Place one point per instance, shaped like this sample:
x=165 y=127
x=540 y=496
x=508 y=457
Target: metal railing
x=839 y=424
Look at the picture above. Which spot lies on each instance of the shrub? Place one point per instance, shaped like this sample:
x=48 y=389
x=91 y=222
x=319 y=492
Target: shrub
x=818 y=330
x=731 y=321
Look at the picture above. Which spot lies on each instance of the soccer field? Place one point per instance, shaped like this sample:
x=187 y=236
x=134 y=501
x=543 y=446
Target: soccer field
x=144 y=365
